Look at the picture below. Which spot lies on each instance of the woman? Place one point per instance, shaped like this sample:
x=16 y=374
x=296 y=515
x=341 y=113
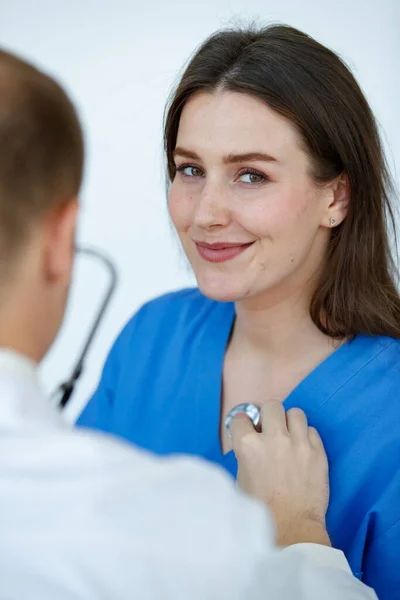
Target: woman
x=279 y=194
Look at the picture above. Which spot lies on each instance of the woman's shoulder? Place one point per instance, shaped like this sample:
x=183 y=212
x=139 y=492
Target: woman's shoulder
x=375 y=358
x=176 y=314
x=188 y=303
x=383 y=347
x=187 y=300
x=373 y=376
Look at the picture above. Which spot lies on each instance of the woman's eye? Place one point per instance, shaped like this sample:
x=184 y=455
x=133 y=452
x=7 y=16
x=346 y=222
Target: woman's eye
x=190 y=171
x=251 y=177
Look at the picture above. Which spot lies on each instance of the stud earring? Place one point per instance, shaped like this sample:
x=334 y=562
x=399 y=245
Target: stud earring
x=332 y=221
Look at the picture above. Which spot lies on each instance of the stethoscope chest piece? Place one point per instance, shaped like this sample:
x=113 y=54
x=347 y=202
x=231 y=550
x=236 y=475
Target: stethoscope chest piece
x=248 y=409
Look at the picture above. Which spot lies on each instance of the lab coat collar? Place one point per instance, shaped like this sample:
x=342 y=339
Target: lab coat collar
x=23 y=404
x=14 y=363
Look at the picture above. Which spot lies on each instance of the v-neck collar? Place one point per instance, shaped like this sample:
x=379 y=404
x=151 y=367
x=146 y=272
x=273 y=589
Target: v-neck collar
x=334 y=372
x=213 y=342
x=317 y=388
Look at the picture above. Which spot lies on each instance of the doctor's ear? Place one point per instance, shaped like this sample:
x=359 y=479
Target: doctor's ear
x=338 y=202
x=59 y=241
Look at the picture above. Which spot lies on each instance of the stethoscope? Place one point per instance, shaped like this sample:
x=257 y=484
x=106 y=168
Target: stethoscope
x=63 y=393
x=247 y=408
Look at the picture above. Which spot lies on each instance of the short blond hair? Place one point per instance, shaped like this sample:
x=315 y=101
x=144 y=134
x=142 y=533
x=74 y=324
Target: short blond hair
x=41 y=149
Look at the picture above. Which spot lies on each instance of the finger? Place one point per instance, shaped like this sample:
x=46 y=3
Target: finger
x=297 y=424
x=241 y=426
x=315 y=438
x=273 y=419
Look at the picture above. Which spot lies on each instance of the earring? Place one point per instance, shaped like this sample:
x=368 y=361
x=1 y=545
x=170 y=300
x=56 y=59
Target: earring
x=332 y=221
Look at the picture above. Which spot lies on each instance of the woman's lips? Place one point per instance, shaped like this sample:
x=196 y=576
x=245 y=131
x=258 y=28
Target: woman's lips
x=220 y=251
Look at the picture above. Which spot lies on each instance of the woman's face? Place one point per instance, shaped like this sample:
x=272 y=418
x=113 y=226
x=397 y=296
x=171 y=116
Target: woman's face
x=247 y=212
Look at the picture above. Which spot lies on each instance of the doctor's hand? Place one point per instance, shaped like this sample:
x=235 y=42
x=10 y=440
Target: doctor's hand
x=285 y=466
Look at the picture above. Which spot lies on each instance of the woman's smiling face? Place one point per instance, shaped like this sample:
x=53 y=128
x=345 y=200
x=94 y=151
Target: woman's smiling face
x=248 y=213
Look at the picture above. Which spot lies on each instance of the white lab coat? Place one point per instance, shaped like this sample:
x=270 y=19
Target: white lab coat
x=85 y=517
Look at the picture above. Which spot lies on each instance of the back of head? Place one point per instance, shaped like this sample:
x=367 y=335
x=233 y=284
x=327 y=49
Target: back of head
x=312 y=87
x=41 y=164
x=41 y=151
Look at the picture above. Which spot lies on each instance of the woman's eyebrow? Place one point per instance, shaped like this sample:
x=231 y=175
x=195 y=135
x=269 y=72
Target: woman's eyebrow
x=230 y=158
x=249 y=157
x=179 y=151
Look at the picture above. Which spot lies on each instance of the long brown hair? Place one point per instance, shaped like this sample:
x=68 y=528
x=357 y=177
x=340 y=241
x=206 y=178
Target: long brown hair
x=312 y=87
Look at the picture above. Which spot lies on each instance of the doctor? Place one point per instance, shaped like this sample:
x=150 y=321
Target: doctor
x=83 y=516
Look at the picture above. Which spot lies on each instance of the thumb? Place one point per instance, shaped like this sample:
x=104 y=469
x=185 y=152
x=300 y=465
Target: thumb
x=241 y=427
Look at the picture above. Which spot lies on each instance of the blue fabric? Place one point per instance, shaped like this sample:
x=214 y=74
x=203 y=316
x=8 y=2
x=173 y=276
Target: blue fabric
x=161 y=389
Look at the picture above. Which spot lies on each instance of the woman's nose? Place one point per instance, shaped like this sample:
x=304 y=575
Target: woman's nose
x=212 y=209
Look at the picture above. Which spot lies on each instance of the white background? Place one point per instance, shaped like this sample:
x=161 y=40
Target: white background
x=118 y=59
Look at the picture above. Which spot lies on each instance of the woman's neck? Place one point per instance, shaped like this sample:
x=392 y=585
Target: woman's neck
x=278 y=328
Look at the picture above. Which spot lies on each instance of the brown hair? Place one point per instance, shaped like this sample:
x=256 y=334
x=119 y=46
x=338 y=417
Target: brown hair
x=312 y=87
x=41 y=149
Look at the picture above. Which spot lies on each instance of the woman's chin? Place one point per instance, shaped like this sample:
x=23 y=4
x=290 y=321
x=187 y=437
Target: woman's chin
x=220 y=290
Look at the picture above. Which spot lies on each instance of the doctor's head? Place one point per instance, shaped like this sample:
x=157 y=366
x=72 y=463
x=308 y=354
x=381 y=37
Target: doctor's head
x=278 y=183
x=41 y=161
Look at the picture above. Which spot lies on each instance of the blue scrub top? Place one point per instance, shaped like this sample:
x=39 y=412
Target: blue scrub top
x=161 y=389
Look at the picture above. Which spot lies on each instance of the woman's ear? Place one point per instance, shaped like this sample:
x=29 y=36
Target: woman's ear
x=338 y=206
